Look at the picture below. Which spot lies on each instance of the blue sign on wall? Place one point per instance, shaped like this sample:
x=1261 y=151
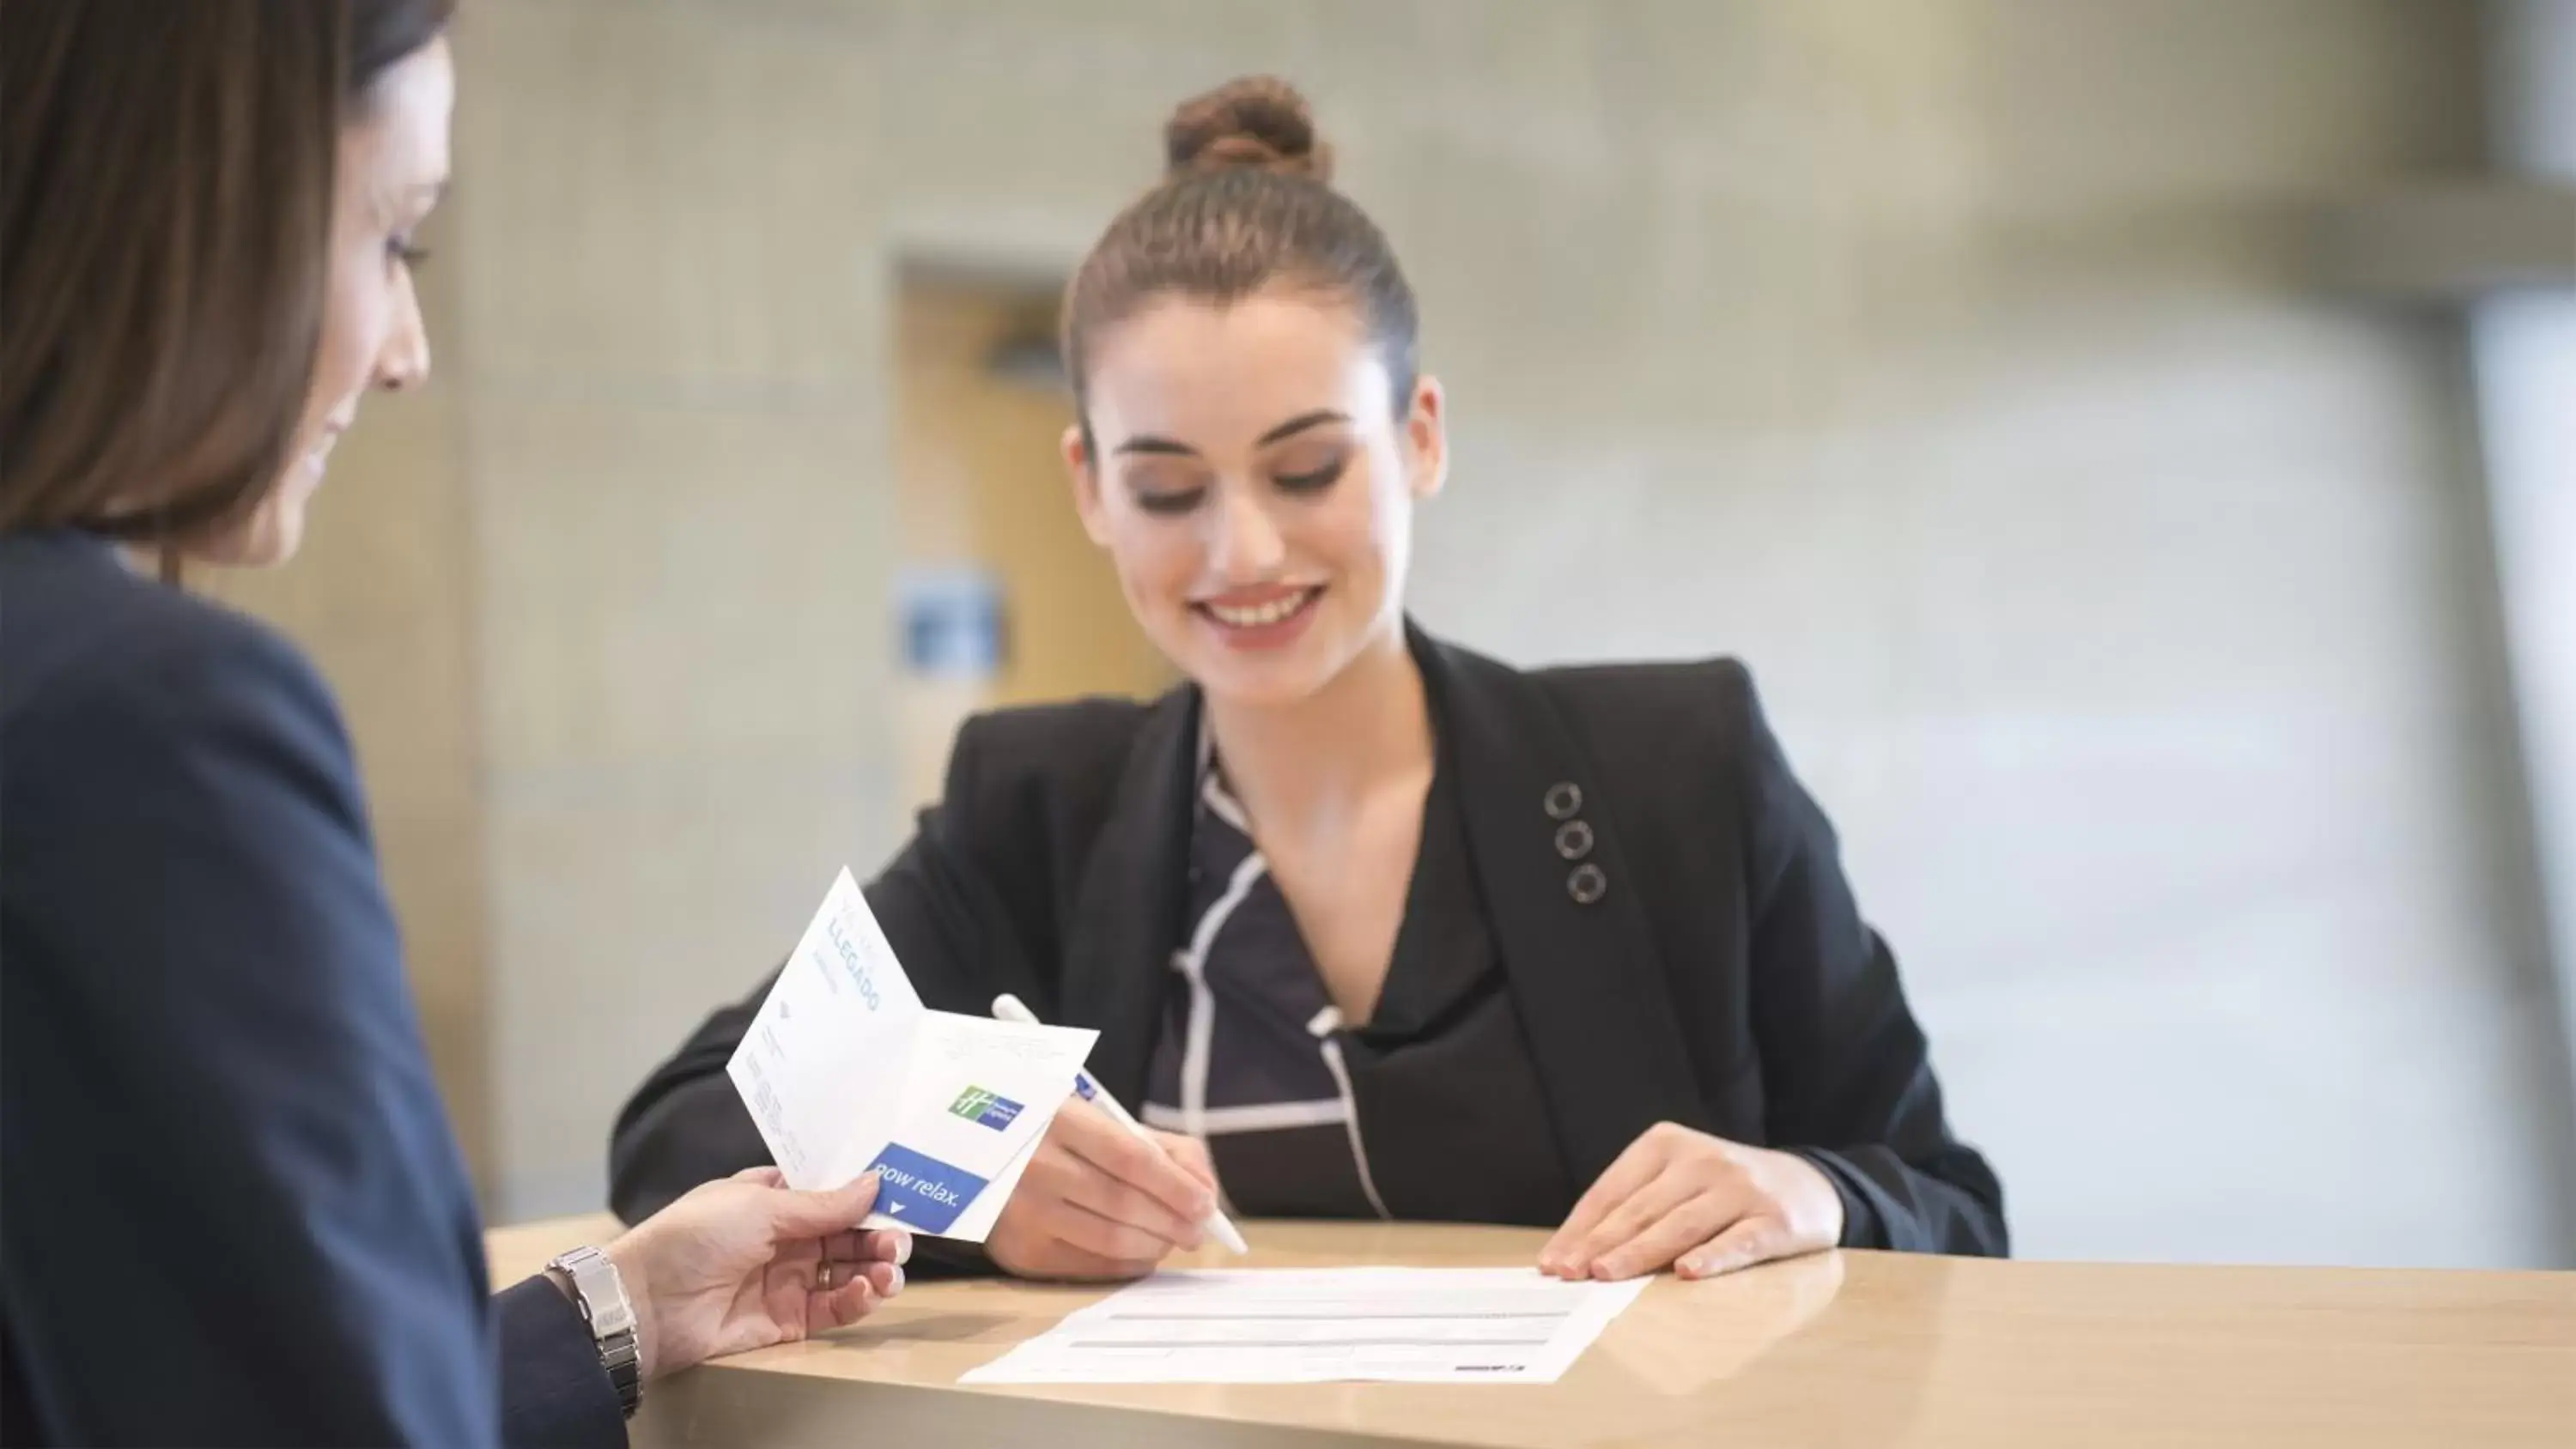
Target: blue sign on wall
x=952 y=622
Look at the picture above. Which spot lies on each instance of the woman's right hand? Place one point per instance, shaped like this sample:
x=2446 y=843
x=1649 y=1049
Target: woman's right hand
x=1097 y=1202
x=745 y=1262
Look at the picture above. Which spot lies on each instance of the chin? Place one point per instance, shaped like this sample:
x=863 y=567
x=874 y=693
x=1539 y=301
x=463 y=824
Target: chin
x=279 y=553
x=270 y=538
x=1260 y=687
x=1268 y=680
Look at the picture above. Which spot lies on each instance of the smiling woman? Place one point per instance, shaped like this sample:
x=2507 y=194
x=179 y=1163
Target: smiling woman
x=1371 y=925
x=1244 y=341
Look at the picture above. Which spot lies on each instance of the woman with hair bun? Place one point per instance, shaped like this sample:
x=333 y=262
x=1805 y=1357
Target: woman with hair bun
x=1369 y=925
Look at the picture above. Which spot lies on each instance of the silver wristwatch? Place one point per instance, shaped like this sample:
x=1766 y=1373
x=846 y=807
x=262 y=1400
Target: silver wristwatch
x=600 y=1294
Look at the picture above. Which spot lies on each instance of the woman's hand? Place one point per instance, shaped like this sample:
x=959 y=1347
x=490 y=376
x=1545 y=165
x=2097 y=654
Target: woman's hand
x=1097 y=1202
x=747 y=1262
x=1699 y=1204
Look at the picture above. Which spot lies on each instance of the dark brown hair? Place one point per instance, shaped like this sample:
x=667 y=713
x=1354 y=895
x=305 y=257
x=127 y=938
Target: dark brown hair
x=1246 y=203
x=166 y=181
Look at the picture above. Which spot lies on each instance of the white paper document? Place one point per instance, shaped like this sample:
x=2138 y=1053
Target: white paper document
x=845 y=1071
x=1302 y=1326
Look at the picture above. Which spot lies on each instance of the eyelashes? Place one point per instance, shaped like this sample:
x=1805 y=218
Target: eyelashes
x=1169 y=503
x=1173 y=502
x=1315 y=481
x=406 y=251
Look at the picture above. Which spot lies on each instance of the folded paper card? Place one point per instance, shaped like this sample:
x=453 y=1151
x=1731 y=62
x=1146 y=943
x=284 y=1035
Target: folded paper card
x=845 y=1072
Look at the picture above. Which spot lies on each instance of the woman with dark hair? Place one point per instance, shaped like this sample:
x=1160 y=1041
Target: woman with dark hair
x=1373 y=926
x=231 y=1211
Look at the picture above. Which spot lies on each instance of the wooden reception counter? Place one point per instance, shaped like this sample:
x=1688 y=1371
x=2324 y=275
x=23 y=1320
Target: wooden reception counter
x=1842 y=1349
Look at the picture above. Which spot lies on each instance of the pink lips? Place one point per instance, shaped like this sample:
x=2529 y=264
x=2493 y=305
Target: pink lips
x=1268 y=617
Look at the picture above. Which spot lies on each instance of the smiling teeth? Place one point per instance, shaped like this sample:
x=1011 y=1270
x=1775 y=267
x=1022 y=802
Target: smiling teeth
x=1260 y=614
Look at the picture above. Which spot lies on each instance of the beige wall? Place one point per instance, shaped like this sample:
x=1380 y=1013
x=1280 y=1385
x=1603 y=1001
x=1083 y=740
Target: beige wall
x=1953 y=362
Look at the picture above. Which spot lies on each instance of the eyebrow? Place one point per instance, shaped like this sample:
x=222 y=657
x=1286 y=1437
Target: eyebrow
x=1170 y=447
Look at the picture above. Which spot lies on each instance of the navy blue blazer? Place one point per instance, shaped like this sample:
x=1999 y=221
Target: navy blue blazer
x=231 y=1210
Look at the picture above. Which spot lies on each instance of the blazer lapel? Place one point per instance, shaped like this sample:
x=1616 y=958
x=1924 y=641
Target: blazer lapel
x=1578 y=953
x=1126 y=920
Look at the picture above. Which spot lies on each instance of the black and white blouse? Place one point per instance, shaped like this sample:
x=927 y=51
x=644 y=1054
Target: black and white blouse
x=1430 y=1110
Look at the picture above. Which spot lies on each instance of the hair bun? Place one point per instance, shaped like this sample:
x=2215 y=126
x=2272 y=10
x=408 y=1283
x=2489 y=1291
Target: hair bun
x=1259 y=122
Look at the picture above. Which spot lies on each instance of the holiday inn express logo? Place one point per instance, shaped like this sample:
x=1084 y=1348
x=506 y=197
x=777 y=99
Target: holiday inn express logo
x=989 y=1108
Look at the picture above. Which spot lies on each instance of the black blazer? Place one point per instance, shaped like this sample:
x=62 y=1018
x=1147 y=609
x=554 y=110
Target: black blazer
x=231 y=1211
x=1700 y=962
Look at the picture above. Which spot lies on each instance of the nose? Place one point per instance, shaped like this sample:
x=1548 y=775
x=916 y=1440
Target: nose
x=404 y=361
x=1247 y=547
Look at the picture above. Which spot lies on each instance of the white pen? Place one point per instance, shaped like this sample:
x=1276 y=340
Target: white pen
x=1007 y=1007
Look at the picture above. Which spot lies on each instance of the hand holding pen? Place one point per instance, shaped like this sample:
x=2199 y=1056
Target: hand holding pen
x=1105 y=1197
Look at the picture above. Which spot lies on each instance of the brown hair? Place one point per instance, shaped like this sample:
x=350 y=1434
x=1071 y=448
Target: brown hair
x=1246 y=202
x=166 y=184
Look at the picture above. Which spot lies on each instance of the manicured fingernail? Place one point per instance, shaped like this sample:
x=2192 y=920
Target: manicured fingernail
x=894 y=1282
x=903 y=1248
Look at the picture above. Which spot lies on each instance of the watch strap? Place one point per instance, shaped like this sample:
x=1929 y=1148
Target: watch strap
x=599 y=1292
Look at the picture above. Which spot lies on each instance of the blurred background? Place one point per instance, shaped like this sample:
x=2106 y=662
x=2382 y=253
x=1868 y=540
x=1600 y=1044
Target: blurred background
x=2132 y=441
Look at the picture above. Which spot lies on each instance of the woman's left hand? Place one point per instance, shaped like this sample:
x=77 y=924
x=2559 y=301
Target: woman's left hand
x=1698 y=1204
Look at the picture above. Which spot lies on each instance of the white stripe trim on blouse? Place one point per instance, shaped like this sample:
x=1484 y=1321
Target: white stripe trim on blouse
x=1327 y=1022
x=1260 y=1117
x=1191 y=962
x=1227 y=808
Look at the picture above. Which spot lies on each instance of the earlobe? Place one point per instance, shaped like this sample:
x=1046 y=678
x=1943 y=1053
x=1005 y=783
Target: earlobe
x=1086 y=484
x=1426 y=428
